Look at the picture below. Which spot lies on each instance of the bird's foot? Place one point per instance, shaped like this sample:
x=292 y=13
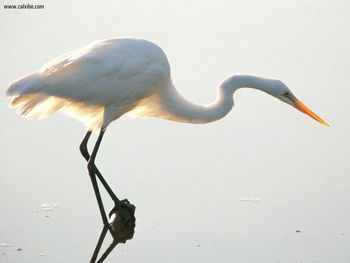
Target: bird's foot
x=122 y=221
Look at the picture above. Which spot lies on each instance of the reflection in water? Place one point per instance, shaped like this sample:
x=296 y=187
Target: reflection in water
x=121 y=226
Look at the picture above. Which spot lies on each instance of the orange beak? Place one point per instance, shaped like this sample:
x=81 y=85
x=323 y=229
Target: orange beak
x=302 y=107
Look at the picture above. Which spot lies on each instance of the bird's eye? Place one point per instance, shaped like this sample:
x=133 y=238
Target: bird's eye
x=286 y=94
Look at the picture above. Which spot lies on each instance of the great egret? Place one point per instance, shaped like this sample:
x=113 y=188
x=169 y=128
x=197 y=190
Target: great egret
x=100 y=82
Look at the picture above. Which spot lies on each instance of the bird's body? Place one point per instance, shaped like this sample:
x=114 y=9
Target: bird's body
x=100 y=82
x=96 y=84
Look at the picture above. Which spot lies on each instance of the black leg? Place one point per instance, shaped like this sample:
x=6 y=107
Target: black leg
x=92 y=171
x=84 y=151
x=83 y=146
x=120 y=229
x=99 y=243
x=108 y=251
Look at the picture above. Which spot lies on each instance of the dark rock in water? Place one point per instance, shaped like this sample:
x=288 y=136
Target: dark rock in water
x=298 y=231
x=121 y=226
x=122 y=221
x=19 y=249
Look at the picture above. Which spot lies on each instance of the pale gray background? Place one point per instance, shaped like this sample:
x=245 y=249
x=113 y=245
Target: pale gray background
x=186 y=179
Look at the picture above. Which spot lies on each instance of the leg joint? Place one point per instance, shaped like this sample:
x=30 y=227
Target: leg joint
x=91 y=167
x=84 y=151
x=83 y=146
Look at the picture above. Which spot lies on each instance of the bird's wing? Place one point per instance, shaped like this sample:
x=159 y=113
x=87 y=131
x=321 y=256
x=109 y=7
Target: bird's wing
x=102 y=73
x=113 y=74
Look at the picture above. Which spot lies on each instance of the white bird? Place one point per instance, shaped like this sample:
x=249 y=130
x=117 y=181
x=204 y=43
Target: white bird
x=100 y=82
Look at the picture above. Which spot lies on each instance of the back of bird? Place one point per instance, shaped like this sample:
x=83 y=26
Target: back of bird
x=85 y=81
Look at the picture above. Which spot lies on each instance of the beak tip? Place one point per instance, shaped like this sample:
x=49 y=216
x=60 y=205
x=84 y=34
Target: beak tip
x=300 y=106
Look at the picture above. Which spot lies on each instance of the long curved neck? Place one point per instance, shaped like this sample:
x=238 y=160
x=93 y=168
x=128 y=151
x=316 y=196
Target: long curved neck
x=177 y=108
x=249 y=81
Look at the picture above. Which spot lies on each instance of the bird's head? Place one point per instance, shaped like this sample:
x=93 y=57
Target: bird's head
x=274 y=87
x=283 y=93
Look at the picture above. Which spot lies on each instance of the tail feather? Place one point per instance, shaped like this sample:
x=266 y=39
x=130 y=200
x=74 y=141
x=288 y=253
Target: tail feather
x=29 y=103
x=37 y=106
x=22 y=94
x=27 y=94
x=25 y=85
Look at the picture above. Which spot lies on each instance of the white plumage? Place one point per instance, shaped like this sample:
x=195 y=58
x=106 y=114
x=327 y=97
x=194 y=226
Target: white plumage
x=105 y=79
x=95 y=84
